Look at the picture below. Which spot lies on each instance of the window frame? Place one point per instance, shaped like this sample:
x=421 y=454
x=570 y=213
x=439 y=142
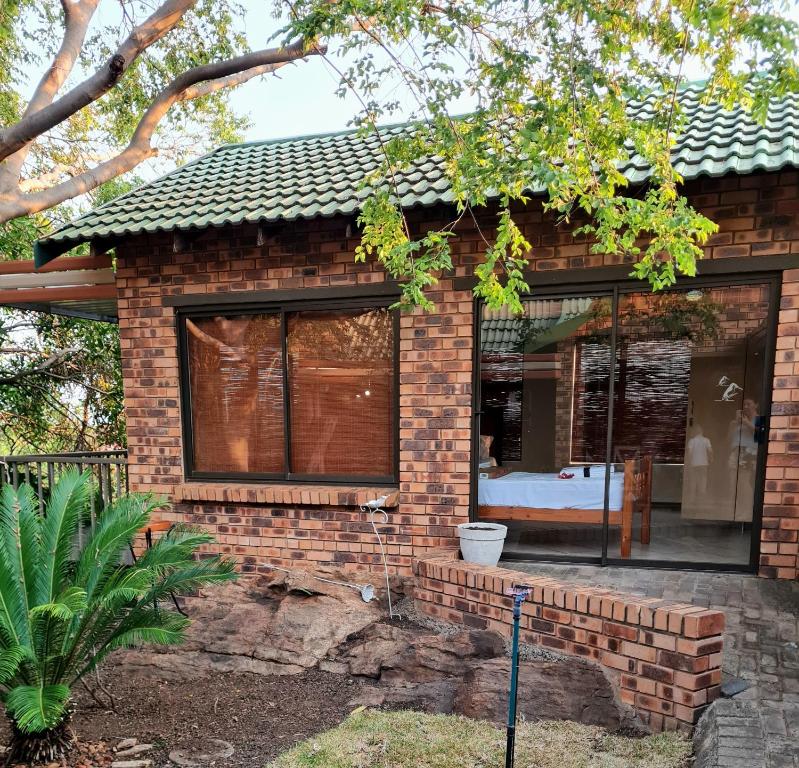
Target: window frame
x=282 y=308
x=608 y=280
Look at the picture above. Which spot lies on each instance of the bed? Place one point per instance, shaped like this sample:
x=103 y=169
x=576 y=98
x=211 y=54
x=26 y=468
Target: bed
x=539 y=497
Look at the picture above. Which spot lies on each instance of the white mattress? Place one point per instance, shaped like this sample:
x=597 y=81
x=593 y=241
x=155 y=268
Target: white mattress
x=548 y=491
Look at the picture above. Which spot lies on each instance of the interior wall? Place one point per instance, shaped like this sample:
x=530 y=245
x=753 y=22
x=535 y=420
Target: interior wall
x=539 y=445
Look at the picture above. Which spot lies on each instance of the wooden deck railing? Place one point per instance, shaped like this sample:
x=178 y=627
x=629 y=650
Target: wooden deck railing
x=108 y=470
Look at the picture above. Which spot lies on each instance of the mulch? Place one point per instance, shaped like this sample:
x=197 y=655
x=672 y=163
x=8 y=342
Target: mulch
x=260 y=716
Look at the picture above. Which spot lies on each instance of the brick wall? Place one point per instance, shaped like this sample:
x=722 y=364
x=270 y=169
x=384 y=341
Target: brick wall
x=779 y=547
x=295 y=524
x=664 y=658
x=757 y=216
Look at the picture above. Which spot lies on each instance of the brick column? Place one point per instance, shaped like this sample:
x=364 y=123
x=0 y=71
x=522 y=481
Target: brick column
x=436 y=418
x=779 y=549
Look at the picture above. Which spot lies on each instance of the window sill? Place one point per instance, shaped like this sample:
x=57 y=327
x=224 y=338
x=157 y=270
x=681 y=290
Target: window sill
x=283 y=493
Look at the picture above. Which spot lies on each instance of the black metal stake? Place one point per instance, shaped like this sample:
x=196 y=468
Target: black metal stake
x=519 y=593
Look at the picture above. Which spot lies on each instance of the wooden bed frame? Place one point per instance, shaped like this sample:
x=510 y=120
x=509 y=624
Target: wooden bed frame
x=636 y=498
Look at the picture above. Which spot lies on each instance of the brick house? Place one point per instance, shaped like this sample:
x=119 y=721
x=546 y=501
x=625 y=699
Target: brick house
x=271 y=389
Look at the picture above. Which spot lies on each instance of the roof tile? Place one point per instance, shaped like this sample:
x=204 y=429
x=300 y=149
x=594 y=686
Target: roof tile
x=305 y=177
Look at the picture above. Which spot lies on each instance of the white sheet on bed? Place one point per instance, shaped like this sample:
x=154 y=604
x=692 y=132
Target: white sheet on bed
x=548 y=491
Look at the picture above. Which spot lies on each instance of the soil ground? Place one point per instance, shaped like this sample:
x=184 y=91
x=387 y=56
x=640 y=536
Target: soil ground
x=260 y=716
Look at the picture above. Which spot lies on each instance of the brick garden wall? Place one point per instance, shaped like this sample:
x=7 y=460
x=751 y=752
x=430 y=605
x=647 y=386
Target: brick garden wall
x=757 y=216
x=664 y=658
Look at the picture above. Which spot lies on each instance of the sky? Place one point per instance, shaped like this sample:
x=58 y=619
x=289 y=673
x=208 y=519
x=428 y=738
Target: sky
x=301 y=98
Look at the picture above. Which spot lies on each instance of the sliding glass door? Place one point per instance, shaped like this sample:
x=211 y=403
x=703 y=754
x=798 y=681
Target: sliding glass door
x=627 y=426
x=536 y=447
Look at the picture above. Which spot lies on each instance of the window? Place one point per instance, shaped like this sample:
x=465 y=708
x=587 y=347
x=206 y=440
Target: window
x=290 y=394
x=628 y=424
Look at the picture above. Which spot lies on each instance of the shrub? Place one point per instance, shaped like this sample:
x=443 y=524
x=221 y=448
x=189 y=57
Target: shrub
x=62 y=610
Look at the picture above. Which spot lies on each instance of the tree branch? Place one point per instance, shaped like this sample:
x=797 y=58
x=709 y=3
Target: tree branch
x=77 y=17
x=192 y=84
x=54 y=359
x=162 y=21
x=58 y=171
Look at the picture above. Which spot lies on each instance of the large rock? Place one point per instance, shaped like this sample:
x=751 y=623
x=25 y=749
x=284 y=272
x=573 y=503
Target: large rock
x=290 y=622
x=280 y=624
x=548 y=690
x=468 y=673
x=410 y=655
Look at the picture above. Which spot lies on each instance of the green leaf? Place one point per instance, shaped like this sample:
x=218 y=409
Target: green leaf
x=67 y=502
x=10 y=659
x=37 y=708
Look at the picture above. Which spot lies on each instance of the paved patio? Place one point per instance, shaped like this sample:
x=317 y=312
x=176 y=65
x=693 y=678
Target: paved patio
x=761 y=638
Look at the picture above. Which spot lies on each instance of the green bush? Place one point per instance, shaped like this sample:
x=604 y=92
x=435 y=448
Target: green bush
x=62 y=612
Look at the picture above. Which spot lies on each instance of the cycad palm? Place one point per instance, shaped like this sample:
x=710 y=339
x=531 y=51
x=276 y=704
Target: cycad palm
x=62 y=613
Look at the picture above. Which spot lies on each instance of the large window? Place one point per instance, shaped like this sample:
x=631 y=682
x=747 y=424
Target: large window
x=627 y=425
x=286 y=394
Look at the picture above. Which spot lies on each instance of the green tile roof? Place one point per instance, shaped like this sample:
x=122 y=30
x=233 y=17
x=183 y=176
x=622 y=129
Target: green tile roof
x=502 y=331
x=310 y=176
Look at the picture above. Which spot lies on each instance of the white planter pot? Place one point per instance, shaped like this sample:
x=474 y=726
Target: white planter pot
x=481 y=543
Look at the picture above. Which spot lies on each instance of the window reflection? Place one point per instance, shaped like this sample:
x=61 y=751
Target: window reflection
x=688 y=372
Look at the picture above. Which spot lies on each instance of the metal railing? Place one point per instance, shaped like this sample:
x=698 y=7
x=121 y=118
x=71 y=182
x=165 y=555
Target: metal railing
x=108 y=474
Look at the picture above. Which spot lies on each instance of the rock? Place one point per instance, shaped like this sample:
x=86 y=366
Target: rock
x=431 y=657
x=268 y=625
x=126 y=744
x=399 y=655
x=548 y=690
x=467 y=673
x=200 y=751
x=132 y=751
x=131 y=764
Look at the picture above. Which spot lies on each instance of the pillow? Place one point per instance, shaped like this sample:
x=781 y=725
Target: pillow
x=485 y=447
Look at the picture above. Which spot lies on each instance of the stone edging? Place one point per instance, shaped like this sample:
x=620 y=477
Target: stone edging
x=730 y=735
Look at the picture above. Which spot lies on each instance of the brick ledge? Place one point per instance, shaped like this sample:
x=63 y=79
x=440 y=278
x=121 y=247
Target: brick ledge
x=693 y=622
x=664 y=657
x=283 y=493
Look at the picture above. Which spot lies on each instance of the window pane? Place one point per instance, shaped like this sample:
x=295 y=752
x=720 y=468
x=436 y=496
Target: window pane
x=543 y=430
x=689 y=394
x=236 y=381
x=341 y=383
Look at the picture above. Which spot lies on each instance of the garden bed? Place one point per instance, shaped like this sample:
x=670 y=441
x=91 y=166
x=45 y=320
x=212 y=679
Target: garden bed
x=259 y=715
x=267 y=718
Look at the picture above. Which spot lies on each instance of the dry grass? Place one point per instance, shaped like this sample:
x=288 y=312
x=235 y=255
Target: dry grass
x=373 y=739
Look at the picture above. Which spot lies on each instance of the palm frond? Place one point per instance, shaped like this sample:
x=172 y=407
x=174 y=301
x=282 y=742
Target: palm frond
x=37 y=708
x=115 y=529
x=174 y=549
x=67 y=502
x=192 y=576
x=144 y=625
x=16 y=513
x=70 y=602
x=125 y=585
x=10 y=659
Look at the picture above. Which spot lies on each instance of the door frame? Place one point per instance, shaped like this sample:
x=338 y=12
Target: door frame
x=616 y=289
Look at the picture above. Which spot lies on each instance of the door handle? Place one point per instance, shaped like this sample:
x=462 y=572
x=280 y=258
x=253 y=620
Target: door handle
x=760 y=430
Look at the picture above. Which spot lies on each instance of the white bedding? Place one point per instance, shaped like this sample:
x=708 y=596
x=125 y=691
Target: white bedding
x=548 y=491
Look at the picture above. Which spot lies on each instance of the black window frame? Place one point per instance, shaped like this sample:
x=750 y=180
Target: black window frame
x=610 y=280
x=283 y=308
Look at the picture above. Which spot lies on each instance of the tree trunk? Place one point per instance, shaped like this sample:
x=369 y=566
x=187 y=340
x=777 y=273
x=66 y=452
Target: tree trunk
x=30 y=749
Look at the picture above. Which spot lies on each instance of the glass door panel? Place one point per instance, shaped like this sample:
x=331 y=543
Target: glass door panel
x=544 y=378
x=689 y=397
